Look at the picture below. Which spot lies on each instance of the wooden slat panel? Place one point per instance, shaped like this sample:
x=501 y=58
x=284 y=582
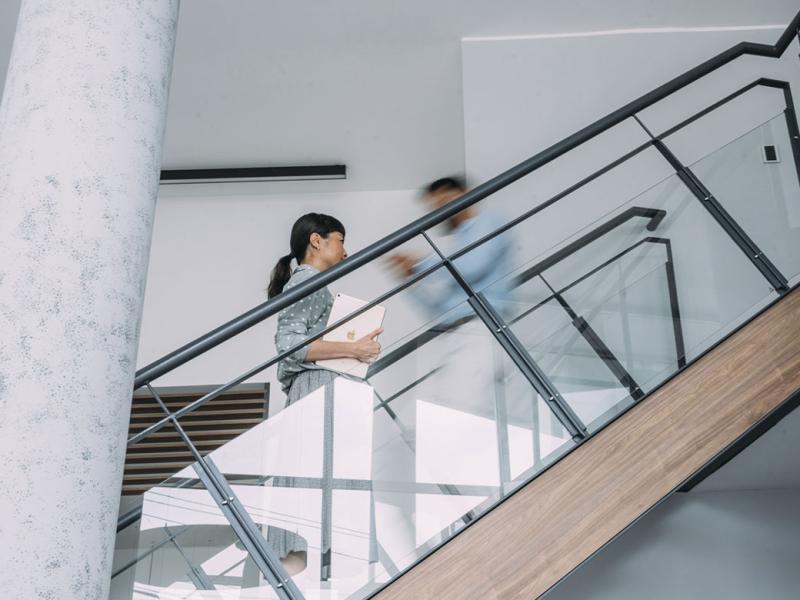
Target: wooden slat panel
x=210 y=405
x=540 y=534
x=132 y=458
x=171 y=394
x=214 y=424
x=200 y=414
x=156 y=466
x=154 y=446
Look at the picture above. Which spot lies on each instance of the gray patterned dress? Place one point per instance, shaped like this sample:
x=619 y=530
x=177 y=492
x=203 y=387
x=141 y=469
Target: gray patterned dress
x=299 y=378
x=297 y=323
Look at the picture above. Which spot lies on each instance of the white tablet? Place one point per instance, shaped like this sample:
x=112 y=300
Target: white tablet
x=355 y=328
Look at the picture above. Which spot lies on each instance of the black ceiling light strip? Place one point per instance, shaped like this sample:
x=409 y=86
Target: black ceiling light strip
x=254 y=174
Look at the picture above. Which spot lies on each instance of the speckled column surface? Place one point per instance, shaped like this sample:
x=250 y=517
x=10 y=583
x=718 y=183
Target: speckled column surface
x=81 y=128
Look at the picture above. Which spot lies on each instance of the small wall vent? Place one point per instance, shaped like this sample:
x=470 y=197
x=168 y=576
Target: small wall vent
x=770 y=154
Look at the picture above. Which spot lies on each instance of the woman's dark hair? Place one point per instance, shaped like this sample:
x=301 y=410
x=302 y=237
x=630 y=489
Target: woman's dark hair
x=298 y=243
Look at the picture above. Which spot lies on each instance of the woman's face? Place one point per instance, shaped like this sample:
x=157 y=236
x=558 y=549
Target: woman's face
x=331 y=249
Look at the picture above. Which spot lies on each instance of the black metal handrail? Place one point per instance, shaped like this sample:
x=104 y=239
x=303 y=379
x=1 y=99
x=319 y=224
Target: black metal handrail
x=395 y=239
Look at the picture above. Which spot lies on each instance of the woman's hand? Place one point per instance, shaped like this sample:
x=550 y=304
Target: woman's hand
x=367 y=348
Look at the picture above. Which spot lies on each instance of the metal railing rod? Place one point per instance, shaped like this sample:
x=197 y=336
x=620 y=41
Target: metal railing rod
x=406 y=389
x=606 y=263
x=713 y=107
x=655 y=215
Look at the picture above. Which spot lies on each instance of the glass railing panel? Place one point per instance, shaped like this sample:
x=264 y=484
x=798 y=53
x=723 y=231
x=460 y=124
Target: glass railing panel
x=535 y=436
x=755 y=179
x=639 y=321
x=611 y=276
x=596 y=254
x=555 y=342
x=184 y=547
x=717 y=285
x=630 y=286
x=158 y=476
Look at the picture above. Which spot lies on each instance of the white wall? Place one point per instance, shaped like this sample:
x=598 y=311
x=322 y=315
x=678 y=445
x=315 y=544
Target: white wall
x=736 y=545
x=522 y=95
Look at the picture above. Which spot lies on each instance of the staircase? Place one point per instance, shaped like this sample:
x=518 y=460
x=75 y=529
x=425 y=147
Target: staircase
x=589 y=497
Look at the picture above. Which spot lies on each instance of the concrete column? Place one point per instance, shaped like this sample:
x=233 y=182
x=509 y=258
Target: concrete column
x=81 y=128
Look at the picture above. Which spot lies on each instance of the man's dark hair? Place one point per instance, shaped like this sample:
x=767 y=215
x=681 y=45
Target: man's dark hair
x=445 y=184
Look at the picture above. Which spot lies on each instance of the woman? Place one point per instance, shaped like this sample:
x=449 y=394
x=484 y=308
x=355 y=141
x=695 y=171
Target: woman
x=316 y=243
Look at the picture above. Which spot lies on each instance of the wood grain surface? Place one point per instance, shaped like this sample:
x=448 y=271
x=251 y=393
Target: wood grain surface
x=527 y=544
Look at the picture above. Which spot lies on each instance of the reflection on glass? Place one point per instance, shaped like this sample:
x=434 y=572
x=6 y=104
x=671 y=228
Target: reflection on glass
x=639 y=322
x=617 y=314
x=185 y=548
x=756 y=180
x=571 y=362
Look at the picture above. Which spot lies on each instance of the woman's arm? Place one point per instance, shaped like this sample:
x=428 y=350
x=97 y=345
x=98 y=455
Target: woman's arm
x=293 y=328
x=365 y=349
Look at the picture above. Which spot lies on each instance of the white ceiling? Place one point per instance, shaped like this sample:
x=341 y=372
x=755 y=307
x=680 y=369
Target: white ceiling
x=373 y=84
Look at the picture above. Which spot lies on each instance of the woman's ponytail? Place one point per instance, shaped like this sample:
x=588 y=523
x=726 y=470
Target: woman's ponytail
x=298 y=244
x=279 y=276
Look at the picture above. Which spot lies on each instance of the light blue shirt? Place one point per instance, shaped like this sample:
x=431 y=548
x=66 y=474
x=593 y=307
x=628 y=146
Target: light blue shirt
x=486 y=268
